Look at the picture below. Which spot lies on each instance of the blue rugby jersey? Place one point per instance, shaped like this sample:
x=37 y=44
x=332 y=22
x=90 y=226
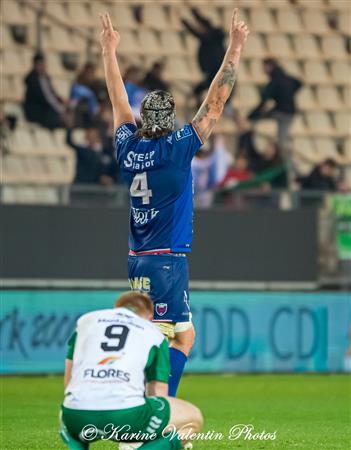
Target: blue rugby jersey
x=158 y=173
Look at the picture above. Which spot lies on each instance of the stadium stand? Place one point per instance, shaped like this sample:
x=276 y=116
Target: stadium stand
x=310 y=38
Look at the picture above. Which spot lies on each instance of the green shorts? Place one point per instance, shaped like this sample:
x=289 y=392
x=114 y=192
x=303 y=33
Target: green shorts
x=141 y=423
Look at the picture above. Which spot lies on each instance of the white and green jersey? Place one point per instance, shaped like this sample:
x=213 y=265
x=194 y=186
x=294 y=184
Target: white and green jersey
x=114 y=352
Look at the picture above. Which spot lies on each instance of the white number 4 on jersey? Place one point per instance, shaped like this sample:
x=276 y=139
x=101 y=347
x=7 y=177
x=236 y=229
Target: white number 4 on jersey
x=139 y=188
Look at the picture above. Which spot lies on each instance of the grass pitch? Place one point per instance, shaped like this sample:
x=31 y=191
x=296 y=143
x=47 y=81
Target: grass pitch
x=310 y=412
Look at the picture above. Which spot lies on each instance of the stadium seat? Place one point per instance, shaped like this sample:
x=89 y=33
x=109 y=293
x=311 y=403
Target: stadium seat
x=172 y=43
x=341 y=72
x=150 y=43
x=306 y=99
x=130 y=44
x=37 y=172
x=209 y=11
x=319 y=123
x=292 y=67
x=304 y=155
x=248 y=95
x=316 y=72
x=177 y=68
x=306 y=47
x=54 y=65
x=329 y=98
x=122 y=16
x=344 y=22
x=267 y=128
x=60 y=170
x=58 y=11
x=327 y=148
x=333 y=47
x=278 y=5
x=16 y=62
x=15 y=13
x=311 y=4
x=7 y=40
x=289 y=20
x=255 y=47
x=256 y=70
x=60 y=147
x=13 y=169
x=44 y=140
x=81 y=16
x=340 y=5
x=315 y=21
x=191 y=45
x=154 y=16
x=305 y=146
x=262 y=20
x=346 y=147
x=22 y=142
x=346 y=96
x=60 y=39
x=244 y=72
x=343 y=123
x=279 y=46
x=298 y=127
x=12 y=88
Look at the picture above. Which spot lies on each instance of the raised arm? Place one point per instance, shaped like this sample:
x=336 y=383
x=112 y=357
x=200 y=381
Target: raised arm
x=222 y=85
x=109 y=39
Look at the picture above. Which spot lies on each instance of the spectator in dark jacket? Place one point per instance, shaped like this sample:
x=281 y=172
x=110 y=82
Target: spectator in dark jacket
x=83 y=98
x=211 y=49
x=260 y=162
x=153 y=80
x=322 y=177
x=41 y=104
x=281 y=89
x=93 y=162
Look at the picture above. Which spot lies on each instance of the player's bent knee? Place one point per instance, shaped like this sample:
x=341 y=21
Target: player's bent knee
x=198 y=419
x=184 y=340
x=185 y=415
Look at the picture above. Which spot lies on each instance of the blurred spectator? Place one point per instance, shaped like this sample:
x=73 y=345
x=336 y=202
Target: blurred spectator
x=209 y=167
x=5 y=131
x=83 y=98
x=211 y=50
x=133 y=82
x=281 y=89
x=93 y=162
x=153 y=80
x=238 y=172
x=323 y=177
x=41 y=104
x=268 y=160
x=203 y=178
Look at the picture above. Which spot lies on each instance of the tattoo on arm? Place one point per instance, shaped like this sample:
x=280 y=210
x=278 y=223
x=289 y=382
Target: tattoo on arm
x=228 y=76
x=211 y=110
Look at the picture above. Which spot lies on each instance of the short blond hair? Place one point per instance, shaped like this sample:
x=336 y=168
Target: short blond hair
x=137 y=301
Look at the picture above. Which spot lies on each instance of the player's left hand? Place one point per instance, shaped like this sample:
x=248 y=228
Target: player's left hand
x=109 y=38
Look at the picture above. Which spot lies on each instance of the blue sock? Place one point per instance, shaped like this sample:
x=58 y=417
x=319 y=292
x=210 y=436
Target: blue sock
x=177 y=360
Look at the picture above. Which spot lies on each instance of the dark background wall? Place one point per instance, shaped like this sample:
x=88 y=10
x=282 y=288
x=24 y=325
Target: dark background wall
x=91 y=243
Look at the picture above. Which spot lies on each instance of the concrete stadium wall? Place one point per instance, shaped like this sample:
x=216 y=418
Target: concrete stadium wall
x=75 y=243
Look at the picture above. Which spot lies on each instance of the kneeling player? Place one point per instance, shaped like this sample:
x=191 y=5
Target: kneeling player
x=111 y=356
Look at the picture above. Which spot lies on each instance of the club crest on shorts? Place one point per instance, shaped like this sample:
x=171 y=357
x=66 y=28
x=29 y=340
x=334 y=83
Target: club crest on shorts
x=161 y=308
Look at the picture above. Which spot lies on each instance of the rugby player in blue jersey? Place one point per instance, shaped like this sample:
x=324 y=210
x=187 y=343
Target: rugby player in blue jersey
x=155 y=162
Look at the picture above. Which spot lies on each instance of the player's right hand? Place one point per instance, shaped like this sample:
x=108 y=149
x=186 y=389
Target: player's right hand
x=109 y=38
x=239 y=31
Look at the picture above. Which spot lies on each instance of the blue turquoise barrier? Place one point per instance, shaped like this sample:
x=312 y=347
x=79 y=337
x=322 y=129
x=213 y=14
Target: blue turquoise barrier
x=236 y=331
